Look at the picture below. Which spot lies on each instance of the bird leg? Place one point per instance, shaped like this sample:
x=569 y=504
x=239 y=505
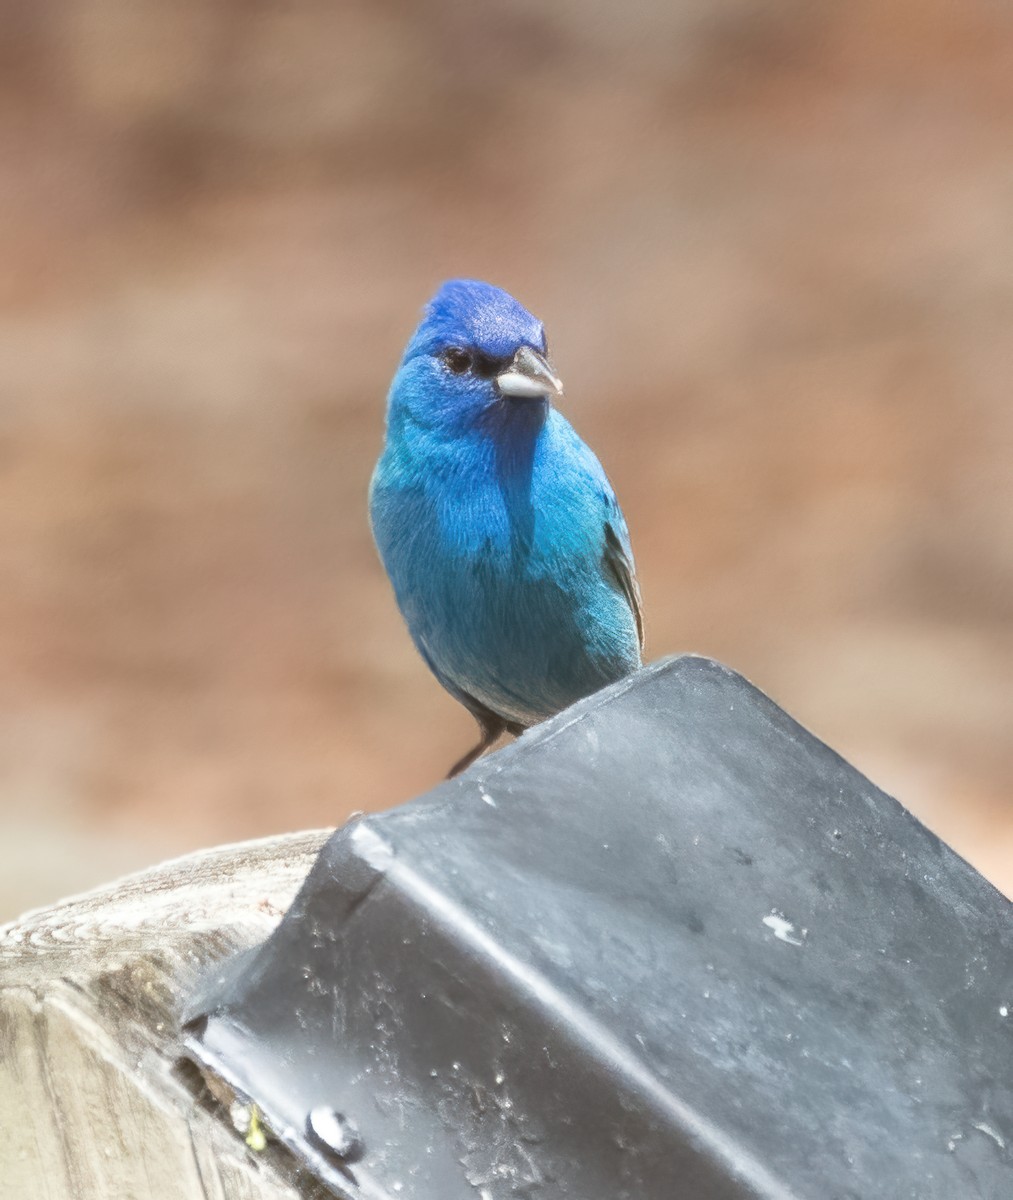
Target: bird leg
x=491 y=727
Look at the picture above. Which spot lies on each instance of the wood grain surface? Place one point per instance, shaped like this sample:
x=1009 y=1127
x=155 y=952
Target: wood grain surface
x=93 y=1102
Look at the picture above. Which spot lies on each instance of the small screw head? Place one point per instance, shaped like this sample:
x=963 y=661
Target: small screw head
x=335 y=1132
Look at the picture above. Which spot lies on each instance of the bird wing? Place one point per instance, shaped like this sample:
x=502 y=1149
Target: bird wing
x=617 y=553
x=617 y=559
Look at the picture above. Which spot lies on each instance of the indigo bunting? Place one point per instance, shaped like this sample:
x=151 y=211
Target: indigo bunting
x=499 y=530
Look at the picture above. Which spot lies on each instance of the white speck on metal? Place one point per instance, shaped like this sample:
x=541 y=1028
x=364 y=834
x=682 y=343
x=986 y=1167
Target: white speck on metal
x=989 y=1132
x=783 y=930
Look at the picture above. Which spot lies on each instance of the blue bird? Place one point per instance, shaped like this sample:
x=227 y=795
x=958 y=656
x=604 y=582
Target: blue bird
x=508 y=552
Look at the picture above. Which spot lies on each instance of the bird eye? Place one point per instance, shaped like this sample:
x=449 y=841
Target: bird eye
x=456 y=360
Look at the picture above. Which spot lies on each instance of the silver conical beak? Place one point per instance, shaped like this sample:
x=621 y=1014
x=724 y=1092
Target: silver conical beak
x=529 y=377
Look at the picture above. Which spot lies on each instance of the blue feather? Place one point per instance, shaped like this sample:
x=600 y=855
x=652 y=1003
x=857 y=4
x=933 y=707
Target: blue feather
x=504 y=542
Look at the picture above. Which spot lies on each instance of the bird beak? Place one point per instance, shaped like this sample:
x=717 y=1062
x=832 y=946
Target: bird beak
x=529 y=377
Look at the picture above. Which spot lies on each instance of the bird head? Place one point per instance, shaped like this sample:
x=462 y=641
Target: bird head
x=475 y=350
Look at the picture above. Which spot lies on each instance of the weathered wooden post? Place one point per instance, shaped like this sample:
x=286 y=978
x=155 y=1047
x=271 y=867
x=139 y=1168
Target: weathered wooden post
x=93 y=1105
x=668 y=945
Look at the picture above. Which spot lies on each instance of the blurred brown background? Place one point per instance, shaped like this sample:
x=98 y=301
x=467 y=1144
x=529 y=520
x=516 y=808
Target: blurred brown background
x=773 y=245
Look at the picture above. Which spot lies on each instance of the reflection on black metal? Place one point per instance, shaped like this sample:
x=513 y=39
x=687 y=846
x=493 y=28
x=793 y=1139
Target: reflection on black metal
x=667 y=945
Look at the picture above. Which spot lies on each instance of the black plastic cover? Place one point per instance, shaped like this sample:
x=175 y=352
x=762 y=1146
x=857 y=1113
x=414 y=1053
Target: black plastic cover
x=666 y=945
